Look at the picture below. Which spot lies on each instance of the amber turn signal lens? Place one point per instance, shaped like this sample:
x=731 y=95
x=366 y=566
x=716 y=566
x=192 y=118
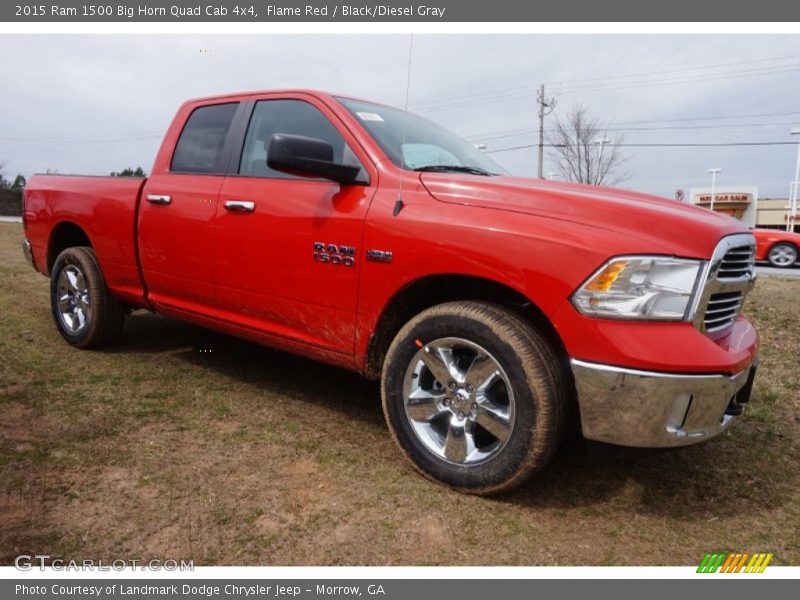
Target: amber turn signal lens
x=606 y=278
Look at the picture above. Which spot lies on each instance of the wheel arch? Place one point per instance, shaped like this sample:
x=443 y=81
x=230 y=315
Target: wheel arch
x=65 y=234
x=430 y=290
x=784 y=242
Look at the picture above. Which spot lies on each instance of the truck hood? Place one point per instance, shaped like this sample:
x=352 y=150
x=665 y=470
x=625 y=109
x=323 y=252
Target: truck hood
x=667 y=226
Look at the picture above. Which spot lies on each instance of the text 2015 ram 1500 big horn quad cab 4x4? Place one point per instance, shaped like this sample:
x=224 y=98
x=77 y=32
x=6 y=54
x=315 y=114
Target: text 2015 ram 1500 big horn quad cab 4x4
x=369 y=238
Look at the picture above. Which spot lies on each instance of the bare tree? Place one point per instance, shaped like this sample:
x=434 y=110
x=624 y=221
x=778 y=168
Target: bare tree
x=578 y=154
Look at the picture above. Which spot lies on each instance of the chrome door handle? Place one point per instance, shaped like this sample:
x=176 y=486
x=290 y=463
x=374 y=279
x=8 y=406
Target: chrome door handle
x=159 y=199
x=240 y=206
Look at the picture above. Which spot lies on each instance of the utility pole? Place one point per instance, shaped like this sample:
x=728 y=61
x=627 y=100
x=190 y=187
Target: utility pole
x=793 y=189
x=546 y=106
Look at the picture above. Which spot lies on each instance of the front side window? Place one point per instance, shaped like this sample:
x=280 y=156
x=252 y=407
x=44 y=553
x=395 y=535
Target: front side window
x=294 y=117
x=199 y=149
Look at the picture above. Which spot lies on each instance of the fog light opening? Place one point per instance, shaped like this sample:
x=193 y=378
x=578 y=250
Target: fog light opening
x=678 y=412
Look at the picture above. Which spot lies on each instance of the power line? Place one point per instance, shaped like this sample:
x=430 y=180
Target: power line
x=700 y=145
x=687 y=79
x=86 y=140
x=134 y=136
x=612 y=88
x=515 y=132
x=714 y=118
x=532 y=88
x=521 y=93
x=709 y=67
x=481 y=136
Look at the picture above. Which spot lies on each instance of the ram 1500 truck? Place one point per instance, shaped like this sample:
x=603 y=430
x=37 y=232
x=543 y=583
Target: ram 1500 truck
x=492 y=308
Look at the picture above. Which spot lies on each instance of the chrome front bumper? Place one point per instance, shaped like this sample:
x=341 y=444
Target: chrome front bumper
x=653 y=410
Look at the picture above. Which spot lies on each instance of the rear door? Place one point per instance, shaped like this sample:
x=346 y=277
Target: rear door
x=287 y=247
x=178 y=206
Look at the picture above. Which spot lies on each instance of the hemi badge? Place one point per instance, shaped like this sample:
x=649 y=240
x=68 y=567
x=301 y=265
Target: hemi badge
x=379 y=256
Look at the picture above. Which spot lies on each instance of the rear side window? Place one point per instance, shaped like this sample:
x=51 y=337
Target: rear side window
x=199 y=149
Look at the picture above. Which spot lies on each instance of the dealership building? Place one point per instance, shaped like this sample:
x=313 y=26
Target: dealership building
x=743 y=203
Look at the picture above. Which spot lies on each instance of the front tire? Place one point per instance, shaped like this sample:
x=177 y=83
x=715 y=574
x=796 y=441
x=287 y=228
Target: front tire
x=475 y=397
x=85 y=312
x=782 y=255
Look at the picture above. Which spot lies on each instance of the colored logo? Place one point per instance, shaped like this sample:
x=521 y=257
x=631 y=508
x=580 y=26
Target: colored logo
x=734 y=563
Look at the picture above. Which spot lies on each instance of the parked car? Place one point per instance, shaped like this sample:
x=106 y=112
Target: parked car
x=779 y=248
x=492 y=308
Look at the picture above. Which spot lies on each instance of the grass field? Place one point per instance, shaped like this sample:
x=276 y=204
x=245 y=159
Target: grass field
x=184 y=444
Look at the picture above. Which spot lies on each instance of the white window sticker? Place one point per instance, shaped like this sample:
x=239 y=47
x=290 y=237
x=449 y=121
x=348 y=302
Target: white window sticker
x=368 y=116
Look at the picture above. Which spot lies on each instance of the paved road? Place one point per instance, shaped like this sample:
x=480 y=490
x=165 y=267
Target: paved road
x=766 y=270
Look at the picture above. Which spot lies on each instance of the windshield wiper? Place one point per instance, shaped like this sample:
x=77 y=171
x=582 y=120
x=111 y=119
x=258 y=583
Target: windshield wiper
x=456 y=169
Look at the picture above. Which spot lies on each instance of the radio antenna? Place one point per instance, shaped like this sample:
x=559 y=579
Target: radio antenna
x=398 y=205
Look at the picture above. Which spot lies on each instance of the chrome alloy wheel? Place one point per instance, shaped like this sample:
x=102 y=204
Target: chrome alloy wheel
x=74 y=311
x=782 y=255
x=459 y=401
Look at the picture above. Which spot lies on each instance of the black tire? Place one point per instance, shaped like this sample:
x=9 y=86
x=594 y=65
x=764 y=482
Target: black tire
x=780 y=255
x=539 y=395
x=103 y=315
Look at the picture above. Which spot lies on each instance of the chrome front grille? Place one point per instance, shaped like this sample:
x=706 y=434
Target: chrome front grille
x=730 y=275
x=737 y=262
x=722 y=310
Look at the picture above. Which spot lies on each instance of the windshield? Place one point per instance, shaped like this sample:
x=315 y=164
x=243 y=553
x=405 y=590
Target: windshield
x=414 y=143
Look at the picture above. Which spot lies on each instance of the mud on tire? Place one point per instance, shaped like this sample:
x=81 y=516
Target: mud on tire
x=480 y=440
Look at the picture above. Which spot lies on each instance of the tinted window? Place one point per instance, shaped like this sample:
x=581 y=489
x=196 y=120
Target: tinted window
x=199 y=149
x=294 y=117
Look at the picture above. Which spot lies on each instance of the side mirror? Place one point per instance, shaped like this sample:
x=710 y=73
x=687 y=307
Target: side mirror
x=307 y=157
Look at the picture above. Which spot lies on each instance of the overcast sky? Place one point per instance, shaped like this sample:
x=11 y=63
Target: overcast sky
x=93 y=104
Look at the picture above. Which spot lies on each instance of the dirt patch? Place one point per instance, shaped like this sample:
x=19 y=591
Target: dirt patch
x=16 y=422
x=431 y=541
x=164 y=542
x=13 y=509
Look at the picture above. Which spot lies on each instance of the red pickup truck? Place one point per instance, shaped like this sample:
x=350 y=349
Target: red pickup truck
x=492 y=308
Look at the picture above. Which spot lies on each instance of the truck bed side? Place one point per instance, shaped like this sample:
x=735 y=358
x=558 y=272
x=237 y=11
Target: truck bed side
x=61 y=208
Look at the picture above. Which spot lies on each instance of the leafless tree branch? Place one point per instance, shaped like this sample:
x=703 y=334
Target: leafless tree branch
x=578 y=157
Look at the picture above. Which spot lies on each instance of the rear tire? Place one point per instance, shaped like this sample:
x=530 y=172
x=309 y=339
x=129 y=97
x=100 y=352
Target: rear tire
x=85 y=312
x=475 y=397
x=782 y=255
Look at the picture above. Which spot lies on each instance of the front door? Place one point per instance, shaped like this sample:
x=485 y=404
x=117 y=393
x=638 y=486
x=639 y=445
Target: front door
x=287 y=247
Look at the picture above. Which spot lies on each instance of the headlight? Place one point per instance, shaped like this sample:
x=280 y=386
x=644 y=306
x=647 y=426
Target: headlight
x=640 y=287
